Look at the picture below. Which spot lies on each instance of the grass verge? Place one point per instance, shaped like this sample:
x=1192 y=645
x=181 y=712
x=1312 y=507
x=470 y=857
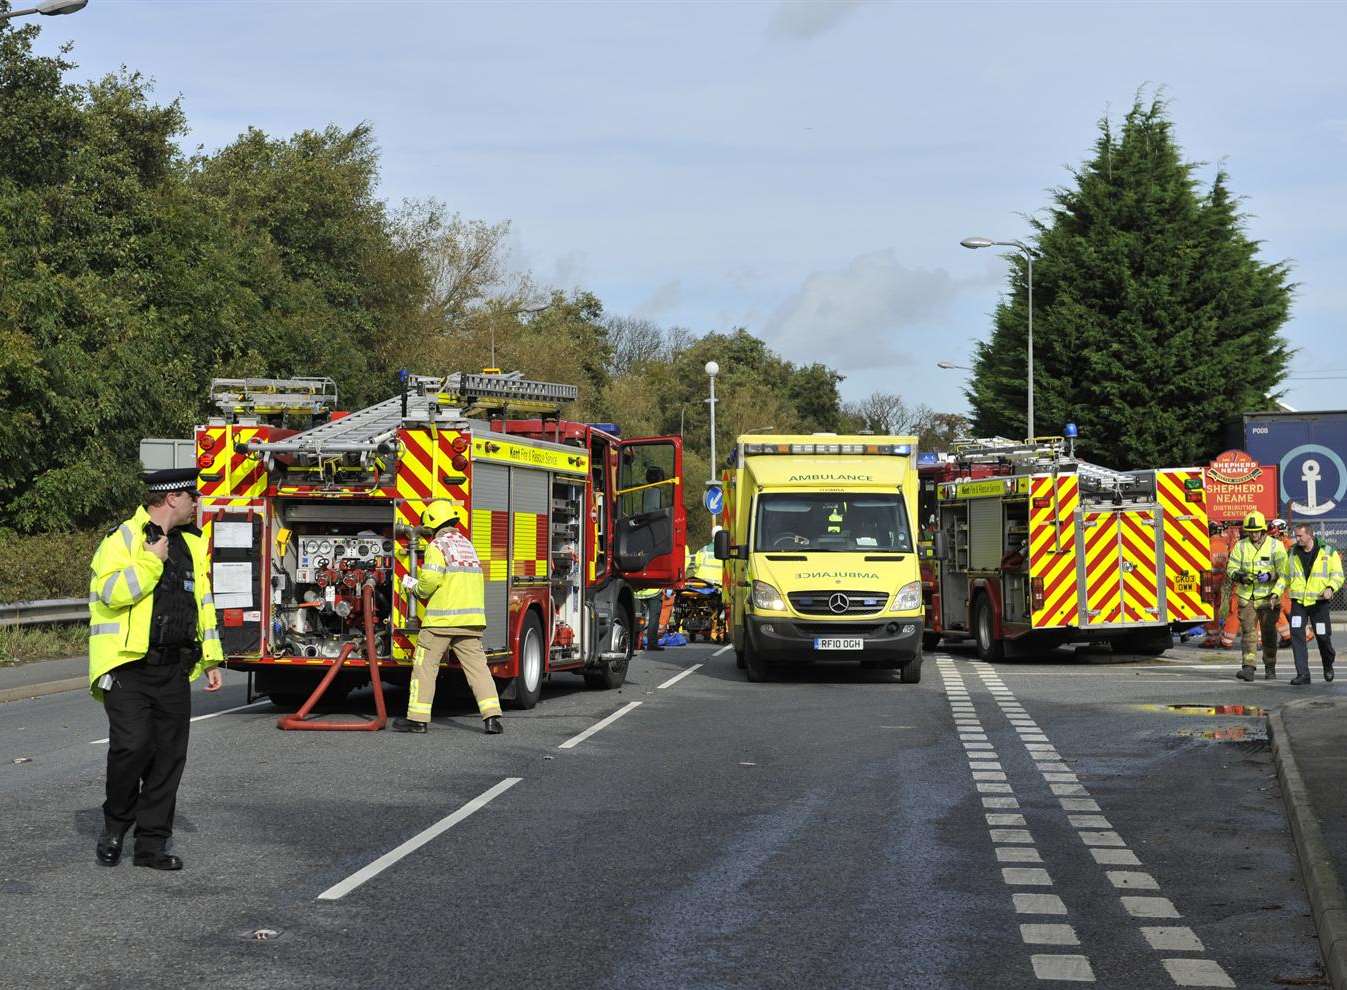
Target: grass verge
x=24 y=644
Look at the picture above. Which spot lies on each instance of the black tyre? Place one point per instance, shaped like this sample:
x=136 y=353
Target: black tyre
x=289 y=701
x=1146 y=643
x=930 y=640
x=609 y=674
x=911 y=673
x=984 y=630
x=755 y=666
x=527 y=685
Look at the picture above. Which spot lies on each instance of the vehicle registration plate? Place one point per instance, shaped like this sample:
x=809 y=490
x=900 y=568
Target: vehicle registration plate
x=853 y=643
x=1186 y=583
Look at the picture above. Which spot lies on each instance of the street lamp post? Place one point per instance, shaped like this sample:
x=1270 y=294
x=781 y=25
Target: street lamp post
x=982 y=242
x=50 y=9
x=712 y=369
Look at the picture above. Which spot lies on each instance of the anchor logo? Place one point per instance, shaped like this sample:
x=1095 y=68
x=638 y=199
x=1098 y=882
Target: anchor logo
x=1311 y=473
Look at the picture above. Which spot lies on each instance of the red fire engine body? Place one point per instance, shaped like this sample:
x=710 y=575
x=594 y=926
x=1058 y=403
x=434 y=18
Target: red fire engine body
x=301 y=521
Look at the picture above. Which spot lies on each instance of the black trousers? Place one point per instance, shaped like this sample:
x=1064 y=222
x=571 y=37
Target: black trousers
x=1318 y=616
x=653 y=606
x=149 y=717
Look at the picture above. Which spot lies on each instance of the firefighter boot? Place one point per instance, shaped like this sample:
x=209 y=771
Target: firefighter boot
x=1245 y=672
x=491 y=726
x=1270 y=672
x=408 y=725
x=1300 y=679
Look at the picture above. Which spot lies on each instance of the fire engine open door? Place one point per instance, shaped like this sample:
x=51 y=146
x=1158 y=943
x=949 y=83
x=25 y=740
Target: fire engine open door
x=651 y=526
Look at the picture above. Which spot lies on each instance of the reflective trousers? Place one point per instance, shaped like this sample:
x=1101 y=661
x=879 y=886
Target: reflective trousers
x=431 y=646
x=1317 y=617
x=1257 y=618
x=149 y=718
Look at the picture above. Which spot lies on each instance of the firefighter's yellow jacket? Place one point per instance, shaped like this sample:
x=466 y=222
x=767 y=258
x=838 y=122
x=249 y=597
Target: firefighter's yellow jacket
x=1257 y=573
x=451 y=578
x=122 y=579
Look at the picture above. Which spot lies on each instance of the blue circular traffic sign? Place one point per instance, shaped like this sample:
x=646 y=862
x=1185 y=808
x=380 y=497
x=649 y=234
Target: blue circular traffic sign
x=714 y=499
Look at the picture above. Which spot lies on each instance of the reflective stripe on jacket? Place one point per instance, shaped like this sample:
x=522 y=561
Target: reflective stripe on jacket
x=451 y=578
x=1325 y=574
x=1250 y=561
x=122 y=579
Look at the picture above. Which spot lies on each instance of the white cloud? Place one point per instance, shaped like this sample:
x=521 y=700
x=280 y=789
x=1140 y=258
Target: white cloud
x=803 y=19
x=873 y=313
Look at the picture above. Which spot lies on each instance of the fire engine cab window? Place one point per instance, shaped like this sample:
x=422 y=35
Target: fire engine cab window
x=833 y=523
x=646 y=479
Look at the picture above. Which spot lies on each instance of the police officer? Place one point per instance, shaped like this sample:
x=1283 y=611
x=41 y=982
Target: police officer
x=151 y=632
x=1255 y=572
x=1313 y=576
x=451 y=579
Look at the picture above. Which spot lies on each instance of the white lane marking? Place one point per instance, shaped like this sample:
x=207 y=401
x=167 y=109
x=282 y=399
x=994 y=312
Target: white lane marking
x=1102 y=839
x=1060 y=778
x=340 y=890
x=678 y=677
x=1005 y=819
x=1088 y=821
x=992 y=787
x=724 y=649
x=1038 y=904
x=1177 y=938
x=1049 y=935
x=1070 y=969
x=1022 y=877
x=1197 y=973
x=1115 y=857
x=1150 y=907
x=979 y=774
x=1063 y=789
x=1017 y=854
x=1000 y=802
x=983 y=764
x=1011 y=835
x=1079 y=804
x=202 y=718
x=577 y=740
x=1131 y=880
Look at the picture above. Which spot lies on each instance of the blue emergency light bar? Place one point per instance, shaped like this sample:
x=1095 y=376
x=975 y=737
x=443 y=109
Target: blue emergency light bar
x=605 y=427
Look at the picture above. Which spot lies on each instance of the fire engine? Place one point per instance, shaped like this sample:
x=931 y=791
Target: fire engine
x=312 y=524
x=1027 y=548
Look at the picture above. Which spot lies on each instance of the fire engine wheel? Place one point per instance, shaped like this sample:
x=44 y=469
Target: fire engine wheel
x=528 y=684
x=989 y=647
x=610 y=674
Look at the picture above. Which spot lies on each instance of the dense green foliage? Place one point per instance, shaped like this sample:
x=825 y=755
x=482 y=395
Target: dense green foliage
x=131 y=274
x=1154 y=320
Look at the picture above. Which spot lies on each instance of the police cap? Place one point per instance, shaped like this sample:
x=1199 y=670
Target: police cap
x=171 y=480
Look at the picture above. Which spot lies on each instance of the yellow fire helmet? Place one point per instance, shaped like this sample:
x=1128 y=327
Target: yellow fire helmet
x=1254 y=522
x=441 y=513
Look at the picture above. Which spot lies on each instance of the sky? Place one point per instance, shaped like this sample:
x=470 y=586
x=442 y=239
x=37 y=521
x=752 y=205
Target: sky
x=803 y=169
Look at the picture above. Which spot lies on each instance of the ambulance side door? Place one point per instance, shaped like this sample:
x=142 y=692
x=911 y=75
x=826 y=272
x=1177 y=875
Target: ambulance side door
x=651 y=523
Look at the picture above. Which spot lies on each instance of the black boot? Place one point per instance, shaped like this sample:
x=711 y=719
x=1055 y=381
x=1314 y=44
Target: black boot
x=1328 y=672
x=407 y=725
x=157 y=859
x=1245 y=672
x=491 y=725
x=1269 y=673
x=1300 y=679
x=109 y=848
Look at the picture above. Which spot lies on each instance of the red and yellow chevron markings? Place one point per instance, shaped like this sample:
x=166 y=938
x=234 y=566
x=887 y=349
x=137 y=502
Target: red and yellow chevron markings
x=1103 y=583
x=1140 y=584
x=1183 y=502
x=225 y=473
x=1053 y=500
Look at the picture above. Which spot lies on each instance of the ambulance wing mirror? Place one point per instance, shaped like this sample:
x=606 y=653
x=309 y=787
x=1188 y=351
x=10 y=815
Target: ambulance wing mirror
x=721 y=545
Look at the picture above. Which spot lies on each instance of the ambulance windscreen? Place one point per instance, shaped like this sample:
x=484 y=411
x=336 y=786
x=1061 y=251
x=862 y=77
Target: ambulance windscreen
x=833 y=523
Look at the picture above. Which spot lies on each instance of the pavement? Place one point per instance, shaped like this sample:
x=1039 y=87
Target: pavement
x=821 y=829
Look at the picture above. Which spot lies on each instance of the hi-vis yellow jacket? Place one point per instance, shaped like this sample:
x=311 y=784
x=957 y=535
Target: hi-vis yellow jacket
x=451 y=578
x=1258 y=572
x=122 y=579
x=1325 y=574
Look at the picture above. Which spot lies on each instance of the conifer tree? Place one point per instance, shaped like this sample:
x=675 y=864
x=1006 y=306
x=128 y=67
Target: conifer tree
x=1154 y=320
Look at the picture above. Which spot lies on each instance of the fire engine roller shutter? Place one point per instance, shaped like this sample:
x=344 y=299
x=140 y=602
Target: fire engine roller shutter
x=240 y=627
x=491 y=539
x=529 y=504
x=984 y=534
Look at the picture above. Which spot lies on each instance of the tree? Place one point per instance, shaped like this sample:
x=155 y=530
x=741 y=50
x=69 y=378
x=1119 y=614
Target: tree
x=1154 y=320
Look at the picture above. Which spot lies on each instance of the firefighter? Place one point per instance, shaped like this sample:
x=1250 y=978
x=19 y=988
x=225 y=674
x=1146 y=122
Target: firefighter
x=152 y=631
x=1313 y=577
x=1255 y=572
x=451 y=578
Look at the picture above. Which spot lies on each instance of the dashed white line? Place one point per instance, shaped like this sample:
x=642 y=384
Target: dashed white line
x=678 y=677
x=724 y=649
x=1197 y=973
x=340 y=890
x=577 y=740
x=1072 y=969
x=1049 y=935
x=1177 y=938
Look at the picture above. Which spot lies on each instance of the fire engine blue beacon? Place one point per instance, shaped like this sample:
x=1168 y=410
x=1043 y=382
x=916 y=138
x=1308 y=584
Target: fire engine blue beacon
x=1313 y=479
x=1070 y=432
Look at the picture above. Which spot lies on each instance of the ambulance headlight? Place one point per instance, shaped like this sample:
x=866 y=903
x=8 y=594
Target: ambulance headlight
x=767 y=598
x=908 y=597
